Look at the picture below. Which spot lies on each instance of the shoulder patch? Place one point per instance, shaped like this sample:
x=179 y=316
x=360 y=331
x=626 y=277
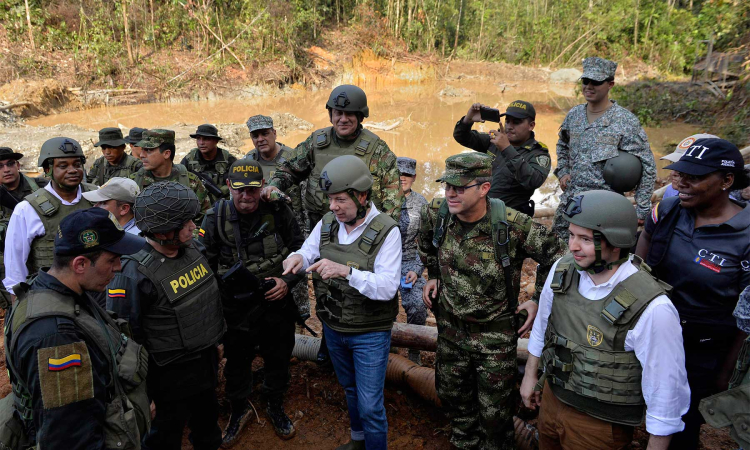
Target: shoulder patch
x=655 y=213
x=65 y=374
x=437 y=202
x=543 y=145
x=543 y=160
x=519 y=219
x=116 y=293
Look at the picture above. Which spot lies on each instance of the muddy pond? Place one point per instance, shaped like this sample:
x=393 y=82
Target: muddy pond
x=423 y=114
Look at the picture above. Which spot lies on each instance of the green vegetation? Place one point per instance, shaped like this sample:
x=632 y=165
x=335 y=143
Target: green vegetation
x=110 y=35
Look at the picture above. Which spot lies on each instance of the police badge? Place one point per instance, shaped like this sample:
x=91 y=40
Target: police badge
x=594 y=336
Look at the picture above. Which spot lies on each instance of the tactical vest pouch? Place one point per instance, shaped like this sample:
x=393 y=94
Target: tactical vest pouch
x=120 y=417
x=12 y=432
x=729 y=408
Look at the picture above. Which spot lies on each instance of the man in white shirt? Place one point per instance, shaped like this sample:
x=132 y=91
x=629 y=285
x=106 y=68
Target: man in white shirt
x=30 y=239
x=609 y=338
x=354 y=253
x=117 y=196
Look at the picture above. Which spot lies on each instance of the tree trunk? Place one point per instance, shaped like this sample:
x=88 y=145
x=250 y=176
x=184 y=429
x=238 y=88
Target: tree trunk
x=28 y=23
x=635 y=30
x=458 y=27
x=481 y=30
x=127 y=31
x=153 y=32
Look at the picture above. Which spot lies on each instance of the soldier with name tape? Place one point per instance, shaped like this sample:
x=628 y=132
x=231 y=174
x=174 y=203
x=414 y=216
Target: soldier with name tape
x=474 y=247
x=170 y=296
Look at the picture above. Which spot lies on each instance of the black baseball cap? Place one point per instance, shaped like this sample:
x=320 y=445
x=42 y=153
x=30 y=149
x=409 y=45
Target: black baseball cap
x=520 y=110
x=709 y=155
x=245 y=172
x=91 y=230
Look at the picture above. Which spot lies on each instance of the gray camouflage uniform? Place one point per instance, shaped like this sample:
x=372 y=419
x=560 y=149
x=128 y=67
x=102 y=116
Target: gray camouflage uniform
x=583 y=149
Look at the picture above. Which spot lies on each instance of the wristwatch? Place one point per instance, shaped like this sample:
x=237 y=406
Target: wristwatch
x=349 y=276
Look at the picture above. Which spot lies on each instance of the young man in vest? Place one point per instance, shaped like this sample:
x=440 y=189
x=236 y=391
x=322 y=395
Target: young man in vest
x=209 y=161
x=251 y=238
x=69 y=364
x=474 y=248
x=269 y=154
x=609 y=338
x=31 y=231
x=356 y=278
x=15 y=186
x=157 y=154
x=170 y=297
x=520 y=163
x=114 y=163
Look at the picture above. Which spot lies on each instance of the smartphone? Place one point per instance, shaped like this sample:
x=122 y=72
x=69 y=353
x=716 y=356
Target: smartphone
x=491 y=114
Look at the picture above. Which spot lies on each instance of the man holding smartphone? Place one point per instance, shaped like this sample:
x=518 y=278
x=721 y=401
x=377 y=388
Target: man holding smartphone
x=520 y=162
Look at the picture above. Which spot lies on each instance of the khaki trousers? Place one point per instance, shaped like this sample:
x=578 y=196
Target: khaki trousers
x=562 y=427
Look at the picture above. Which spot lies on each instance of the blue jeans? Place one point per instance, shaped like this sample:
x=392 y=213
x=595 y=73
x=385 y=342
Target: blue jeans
x=360 y=360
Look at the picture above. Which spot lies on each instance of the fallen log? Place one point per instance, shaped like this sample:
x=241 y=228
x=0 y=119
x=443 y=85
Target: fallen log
x=418 y=337
x=14 y=105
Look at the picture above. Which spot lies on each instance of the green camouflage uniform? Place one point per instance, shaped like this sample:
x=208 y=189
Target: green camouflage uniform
x=216 y=170
x=154 y=138
x=301 y=295
x=476 y=356
x=386 y=190
x=583 y=148
x=101 y=171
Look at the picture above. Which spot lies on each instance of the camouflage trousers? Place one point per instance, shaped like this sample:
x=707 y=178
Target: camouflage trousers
x=411 y=299
x=300 y=292
x=475 y=376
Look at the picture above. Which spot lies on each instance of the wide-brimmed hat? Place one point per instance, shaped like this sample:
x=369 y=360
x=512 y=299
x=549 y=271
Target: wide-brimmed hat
x=206 y=130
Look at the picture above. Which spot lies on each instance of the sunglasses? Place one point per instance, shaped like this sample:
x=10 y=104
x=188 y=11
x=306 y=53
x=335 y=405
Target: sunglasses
x=587 y=81
x=459 y=189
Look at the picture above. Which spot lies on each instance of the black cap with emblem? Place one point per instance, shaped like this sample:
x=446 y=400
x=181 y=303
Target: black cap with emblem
x=91 y=230
x=245 y=173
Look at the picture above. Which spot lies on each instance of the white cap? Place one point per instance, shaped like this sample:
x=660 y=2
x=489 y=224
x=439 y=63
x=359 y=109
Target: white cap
x=685 y=144
x=117 y=188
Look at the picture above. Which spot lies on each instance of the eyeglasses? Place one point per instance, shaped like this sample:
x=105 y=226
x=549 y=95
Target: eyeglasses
x=10 y=164
x=587 y=81
x=459 y=189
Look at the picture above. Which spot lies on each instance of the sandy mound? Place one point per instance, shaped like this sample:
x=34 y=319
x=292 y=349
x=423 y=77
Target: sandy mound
x=37 y=98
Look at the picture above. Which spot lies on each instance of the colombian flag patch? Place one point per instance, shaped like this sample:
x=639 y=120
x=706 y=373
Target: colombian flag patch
x=63 y=363
x=116 y=293
x=201 y=232
x=655 y=214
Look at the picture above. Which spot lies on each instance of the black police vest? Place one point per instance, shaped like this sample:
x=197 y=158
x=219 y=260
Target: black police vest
x=187 y=316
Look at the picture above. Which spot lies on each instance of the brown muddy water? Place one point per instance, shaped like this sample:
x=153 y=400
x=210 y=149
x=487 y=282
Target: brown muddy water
x=425 y=113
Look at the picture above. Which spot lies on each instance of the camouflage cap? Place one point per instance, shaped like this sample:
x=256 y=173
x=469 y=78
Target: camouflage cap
x=407 y=166
x=463 y=168
x=111 y=136
x=156 y=137
x=259 y=122
x=598 y=69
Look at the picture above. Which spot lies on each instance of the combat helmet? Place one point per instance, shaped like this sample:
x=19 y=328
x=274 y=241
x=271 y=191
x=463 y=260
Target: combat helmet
x=350 y=98
x=609 y=215
x=60 y=147
x=163 y=207
x=347 y=174
x=623 y=172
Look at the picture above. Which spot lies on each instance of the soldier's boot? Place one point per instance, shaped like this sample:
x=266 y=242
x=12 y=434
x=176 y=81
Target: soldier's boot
x=241 y=414
x=280 y=421
x=352 y=445
x=415 y=356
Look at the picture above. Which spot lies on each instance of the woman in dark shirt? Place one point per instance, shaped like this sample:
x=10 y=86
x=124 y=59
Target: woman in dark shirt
x=699 y=242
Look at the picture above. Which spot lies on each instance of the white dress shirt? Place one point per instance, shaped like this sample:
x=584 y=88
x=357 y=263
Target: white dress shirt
x=24 y=226
x=131 y=227
x=379 y=285
x=656 y=340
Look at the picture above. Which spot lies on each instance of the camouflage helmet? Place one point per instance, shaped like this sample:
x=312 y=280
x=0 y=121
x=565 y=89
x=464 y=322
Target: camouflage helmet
x=60 y=147
x=344 y=173
x=607 y=214
x=348 y=97
x=623 y=172
x=165 y=206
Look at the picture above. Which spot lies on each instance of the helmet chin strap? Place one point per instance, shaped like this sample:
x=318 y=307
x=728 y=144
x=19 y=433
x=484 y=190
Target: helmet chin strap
x=361 y=209
x=599 y=264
